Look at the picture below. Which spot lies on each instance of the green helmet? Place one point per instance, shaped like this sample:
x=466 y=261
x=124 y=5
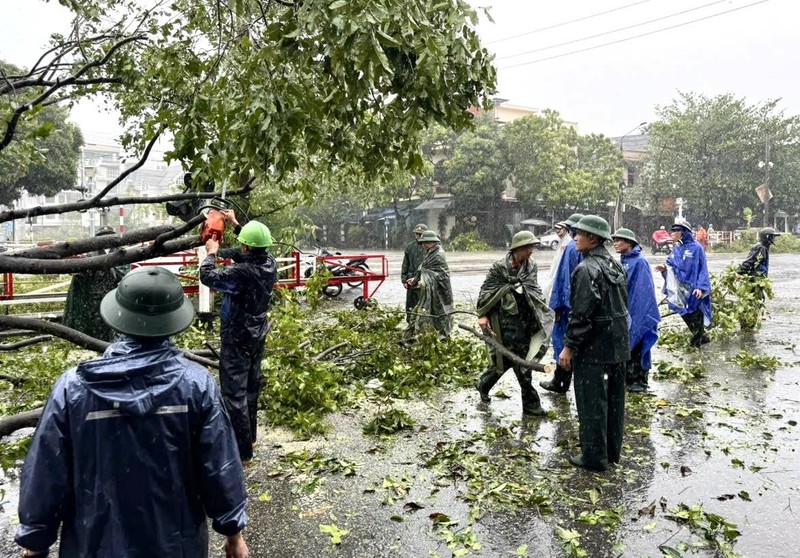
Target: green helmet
x=429 y=236
x=573 y=219
x=148 y=302
x=421 y=228
x=625 y=234
x=255 y=235
x=523 y=238
x=681 y=223
x=768 y=234
x=594 y=225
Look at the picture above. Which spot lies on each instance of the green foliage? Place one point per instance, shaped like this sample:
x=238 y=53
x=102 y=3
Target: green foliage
x=389 y=422
x=738 y=301
x=315 y=286
x=762 y=362
x=747 y=214
x=714 y=530
x=710 y=148
x=678 y=372
x=468 y=242
x=300 y=390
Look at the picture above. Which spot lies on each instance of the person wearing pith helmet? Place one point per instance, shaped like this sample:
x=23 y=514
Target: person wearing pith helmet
x=435 y=294
x=559 y=302
x=642 y=308
x=412 y=257
x=757 y=262
x=687 y=282
x=510 y=307
x=246 y=289
x=147 y=426
x=596 y=346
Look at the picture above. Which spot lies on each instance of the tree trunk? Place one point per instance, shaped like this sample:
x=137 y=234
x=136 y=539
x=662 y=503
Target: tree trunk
x=9 y=425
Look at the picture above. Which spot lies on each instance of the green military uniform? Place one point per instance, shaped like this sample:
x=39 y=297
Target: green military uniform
x=412 y=257
x=432 y=282
x=510 y=296
x=597 y=333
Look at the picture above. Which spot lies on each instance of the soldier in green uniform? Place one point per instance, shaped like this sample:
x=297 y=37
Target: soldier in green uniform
x=597 y=347
x=412 y=257
x=510 y=306
x=435 y=294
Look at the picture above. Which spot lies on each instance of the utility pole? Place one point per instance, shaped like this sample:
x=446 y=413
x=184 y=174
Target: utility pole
x=767 y=193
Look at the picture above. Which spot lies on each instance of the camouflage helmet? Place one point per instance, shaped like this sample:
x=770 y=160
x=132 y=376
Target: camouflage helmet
x=421 y=228
x=148 y=302
x=596 y=225
x=523 y=238
x=625 y=234
x=428 y=236
x=573 y=219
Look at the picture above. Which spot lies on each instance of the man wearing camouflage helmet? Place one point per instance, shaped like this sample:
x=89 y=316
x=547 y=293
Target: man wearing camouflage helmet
x=412 y=257
x=510 y=306
x=757 y=262
x=642 y=307
x=596 y=346
x=246 y=288
x=134 y=449
x=435 y=294
x=560 y=303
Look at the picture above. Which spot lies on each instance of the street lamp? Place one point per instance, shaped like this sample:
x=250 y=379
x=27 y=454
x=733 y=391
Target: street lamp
x=619 y=213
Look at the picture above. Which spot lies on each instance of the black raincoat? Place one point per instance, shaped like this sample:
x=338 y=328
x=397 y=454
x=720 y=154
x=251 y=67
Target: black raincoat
x=131 y=454
x=247 y=293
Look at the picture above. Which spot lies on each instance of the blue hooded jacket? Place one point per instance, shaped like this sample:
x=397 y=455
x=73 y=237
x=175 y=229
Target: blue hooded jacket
x=132 y=452
x=688 y=261
x=642 y=305
x=560 y=293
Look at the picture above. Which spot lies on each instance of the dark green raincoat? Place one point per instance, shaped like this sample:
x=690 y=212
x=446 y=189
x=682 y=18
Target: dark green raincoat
x=432 y=283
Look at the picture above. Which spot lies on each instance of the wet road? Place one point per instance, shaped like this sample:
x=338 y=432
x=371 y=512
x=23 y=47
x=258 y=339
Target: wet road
x=732 y=431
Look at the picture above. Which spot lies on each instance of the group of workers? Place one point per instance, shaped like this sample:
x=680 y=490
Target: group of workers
x=135 y=449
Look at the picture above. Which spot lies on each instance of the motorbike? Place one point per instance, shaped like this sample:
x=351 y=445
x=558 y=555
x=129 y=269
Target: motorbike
x=662 y=242
x=352 y=267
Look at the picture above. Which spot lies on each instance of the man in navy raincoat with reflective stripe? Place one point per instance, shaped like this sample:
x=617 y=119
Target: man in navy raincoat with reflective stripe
x=134 y=450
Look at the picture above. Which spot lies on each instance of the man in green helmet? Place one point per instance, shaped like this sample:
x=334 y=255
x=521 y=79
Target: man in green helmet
x=596 y=346
x=510 y=306
x=134 y=450
x=435 y=294
x=246 y=289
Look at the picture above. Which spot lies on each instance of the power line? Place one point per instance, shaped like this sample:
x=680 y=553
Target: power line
x=563 y=23
x=613 y=30
x=631 y=38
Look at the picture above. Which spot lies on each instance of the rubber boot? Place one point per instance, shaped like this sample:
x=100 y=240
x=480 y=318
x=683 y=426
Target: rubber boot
x=531 y=403
x=486 y=382
x=560 y=382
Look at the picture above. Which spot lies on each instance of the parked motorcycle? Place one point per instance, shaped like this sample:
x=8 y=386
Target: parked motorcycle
x=662 y=242
x=352 y=267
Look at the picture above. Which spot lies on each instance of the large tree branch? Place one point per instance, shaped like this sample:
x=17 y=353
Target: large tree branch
x=84 y=205
x=504 y=351
x=11 y=126
x=81 y=339
x=123 y=256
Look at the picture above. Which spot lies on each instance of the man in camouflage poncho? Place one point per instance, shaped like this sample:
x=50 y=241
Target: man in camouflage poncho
x=510 y=306
x=432 y=282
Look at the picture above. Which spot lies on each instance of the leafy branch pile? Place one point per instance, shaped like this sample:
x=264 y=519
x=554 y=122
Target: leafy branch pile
x=738 y=301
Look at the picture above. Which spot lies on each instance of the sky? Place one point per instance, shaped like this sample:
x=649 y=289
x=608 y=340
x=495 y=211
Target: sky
x=749 y=52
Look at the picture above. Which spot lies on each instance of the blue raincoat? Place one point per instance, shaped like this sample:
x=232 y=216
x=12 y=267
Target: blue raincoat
x=642 y=305
x=559 y=295
x=131 y=454
x=688 y=261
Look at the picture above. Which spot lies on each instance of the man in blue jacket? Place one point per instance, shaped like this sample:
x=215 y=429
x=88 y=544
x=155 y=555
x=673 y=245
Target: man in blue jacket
x=560 y=304
x=246 y=289
x=134 y=449
x=642 y=308
x=687 y=283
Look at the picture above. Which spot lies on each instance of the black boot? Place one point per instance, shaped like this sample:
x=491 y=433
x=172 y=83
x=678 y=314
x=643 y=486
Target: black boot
x=485 y=384
x=531 y=403
x=560 y=382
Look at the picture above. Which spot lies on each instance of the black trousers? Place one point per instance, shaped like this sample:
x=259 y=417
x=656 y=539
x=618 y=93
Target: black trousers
x=240 y=382
x=530 y=398
x=635 y=372
x=696 y=324
x=600 y=399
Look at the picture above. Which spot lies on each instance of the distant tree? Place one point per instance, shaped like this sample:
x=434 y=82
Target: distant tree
x=475 y=173
x=707 y=151
x=556 y=168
